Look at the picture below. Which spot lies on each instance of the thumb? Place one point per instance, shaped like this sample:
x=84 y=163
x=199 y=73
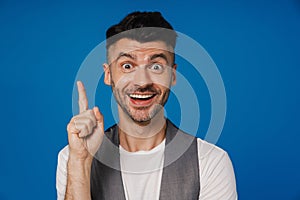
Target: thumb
x=99 y=116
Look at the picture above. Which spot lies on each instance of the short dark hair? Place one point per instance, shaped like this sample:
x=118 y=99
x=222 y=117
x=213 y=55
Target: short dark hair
x=138 y=21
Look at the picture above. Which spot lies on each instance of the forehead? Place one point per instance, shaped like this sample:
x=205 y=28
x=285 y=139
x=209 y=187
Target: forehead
x=144 y=49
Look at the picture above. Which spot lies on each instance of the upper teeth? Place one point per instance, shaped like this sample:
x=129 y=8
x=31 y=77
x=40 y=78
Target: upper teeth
x=141 y=96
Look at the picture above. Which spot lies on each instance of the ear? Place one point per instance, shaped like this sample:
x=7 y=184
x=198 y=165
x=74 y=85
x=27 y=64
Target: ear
x=174 y=74
x=107 y=77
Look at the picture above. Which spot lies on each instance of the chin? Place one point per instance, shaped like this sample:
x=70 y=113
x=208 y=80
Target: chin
x=143 y=116
x=137 y=116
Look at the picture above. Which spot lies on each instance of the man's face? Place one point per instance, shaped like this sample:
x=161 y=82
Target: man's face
x=141 y=75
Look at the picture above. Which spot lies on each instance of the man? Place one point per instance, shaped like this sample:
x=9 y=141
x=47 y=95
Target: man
x=137 y=158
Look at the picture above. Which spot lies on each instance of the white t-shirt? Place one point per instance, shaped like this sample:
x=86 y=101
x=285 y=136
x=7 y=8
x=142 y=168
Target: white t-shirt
x=216 y=173
x=142 y=172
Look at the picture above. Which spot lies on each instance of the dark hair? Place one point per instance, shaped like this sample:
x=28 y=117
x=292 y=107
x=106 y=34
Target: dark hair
x=162 y=30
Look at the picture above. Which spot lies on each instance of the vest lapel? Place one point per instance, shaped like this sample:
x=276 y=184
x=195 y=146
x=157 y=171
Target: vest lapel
x=180 y=178
x=106 y=182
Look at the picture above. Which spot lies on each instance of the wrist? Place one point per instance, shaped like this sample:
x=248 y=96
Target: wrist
x=80 y=159
x=79 y=166
x=78 y=178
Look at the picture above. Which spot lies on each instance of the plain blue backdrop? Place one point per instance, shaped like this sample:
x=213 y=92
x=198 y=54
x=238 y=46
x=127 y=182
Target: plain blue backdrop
x=255 y=45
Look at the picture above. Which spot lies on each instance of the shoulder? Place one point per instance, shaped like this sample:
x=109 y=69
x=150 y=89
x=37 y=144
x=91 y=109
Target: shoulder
x=216 y=172
x=207 y=150
x=212 y=158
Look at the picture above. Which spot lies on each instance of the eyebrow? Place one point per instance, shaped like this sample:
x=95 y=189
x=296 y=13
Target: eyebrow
x=133 y=57
x=159 y=55
x=127 y=55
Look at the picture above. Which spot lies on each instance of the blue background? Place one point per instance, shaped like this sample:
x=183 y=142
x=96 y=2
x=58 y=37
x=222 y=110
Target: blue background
x=255 y=45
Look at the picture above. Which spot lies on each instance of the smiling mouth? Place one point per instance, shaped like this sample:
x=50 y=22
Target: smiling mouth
x=141 y=96
x=142 y=99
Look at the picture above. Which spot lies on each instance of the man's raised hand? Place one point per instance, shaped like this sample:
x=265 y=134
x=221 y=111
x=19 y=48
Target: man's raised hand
x=85 y=130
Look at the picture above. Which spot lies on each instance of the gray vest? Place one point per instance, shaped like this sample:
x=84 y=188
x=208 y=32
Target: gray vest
x=180 y=177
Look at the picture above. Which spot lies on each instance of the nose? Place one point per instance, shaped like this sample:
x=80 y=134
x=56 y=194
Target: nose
x=142 y=76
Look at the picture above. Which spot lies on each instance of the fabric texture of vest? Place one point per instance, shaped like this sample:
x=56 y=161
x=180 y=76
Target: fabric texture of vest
x=180 y=177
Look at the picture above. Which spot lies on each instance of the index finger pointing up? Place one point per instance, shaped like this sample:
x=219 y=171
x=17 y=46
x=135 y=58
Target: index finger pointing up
x=82 y=99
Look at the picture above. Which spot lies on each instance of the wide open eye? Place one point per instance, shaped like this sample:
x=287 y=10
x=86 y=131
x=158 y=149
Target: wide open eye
x=127 y=67
x=156 y=68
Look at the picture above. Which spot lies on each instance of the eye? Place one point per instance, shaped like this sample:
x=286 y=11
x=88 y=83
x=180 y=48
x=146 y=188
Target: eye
x=127 y=67
x=157 y=68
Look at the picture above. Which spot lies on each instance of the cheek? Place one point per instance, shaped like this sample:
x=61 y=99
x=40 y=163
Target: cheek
x=164 y=81
x=122 y=81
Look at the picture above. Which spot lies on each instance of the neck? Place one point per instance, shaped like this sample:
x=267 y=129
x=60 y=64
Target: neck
x=135 y=136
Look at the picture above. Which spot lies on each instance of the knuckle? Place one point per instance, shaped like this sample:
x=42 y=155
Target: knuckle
x=91 y=114
x=86 y=127
x=68 y=127
x=86 y=112
x=91 y=117
x=71 y=128
x=80 y=100
x=93 y=120
x=73 y=119
x=79 y=116
x=90 y=122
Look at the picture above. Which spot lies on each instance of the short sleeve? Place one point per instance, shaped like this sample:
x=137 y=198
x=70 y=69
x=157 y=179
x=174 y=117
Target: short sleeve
x=61 y=173
x=217 y=179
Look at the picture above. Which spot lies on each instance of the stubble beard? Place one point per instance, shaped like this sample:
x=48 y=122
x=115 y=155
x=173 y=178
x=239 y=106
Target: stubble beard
x=141 y=114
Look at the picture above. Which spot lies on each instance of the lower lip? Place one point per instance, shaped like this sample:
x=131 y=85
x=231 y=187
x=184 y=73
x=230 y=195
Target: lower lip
x=141 y=103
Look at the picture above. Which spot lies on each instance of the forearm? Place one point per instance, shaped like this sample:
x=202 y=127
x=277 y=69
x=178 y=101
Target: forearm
x=78 y=179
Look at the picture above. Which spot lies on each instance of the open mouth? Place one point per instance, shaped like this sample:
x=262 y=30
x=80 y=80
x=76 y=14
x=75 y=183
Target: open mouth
x=141 y=96
x=141 y=99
